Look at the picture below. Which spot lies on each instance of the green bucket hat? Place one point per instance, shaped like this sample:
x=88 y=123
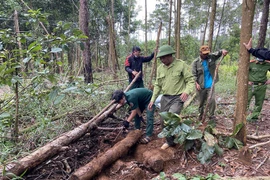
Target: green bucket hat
x=165 y=50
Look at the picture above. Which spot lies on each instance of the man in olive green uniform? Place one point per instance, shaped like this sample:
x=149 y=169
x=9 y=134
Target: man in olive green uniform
x=203 y=70
x=175 y=81
x=257 y=86
x=138 y=100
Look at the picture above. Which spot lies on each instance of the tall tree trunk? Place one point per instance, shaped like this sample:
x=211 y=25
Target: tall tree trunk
x=83 y=20
x=177 y=40
x=212 y=22
x=128 y=39
x=70 y=57
x=145 y=37
x=248 y=8
x=145 y=24
x=219 y=25
x=205 y=27
x=16 y=122
x=112 y=55
x=263 y=25
x=175 y=27
x=170 y=23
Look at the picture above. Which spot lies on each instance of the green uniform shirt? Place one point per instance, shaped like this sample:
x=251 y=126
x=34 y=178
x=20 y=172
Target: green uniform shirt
x=173 y=80
x=258 y=72
x=138 y=97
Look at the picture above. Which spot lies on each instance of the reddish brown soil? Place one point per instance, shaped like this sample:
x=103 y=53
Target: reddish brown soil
x=132 y=167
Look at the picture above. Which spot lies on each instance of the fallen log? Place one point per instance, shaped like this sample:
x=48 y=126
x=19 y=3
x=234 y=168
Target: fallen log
x=155 y=162
x=118 y=150
x=51 y=148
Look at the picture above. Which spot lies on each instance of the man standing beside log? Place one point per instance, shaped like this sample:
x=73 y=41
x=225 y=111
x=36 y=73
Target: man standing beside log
x=138 y=100
x=175 y=81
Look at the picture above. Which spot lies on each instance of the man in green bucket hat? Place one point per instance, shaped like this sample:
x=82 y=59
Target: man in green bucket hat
x=175 y=81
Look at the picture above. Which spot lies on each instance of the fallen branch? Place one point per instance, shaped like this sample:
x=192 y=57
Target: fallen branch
x=258 y=137
x=259 y=144
x=265 y=159
x=187 y=103
x=98 y=164
x=109 y=129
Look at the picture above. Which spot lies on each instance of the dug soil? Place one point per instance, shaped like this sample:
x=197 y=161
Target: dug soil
x=133 y=166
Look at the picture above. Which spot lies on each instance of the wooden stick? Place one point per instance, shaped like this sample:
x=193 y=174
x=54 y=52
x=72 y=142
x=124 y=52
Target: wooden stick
x=266 y=157
x=258 y=137
x=109 y=129
x=187 y=103
x=211 y=90
x=154 y=66
x=259 y=144
x=42 y=25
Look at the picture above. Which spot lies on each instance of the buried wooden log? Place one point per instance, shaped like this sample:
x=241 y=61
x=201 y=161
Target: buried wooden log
x=155 y=158
x=155 y=162
x=98 y=164
x=53 y=147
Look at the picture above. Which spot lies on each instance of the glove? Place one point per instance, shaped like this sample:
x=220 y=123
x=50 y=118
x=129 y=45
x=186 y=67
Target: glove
x=141 y=119
x=126 y=124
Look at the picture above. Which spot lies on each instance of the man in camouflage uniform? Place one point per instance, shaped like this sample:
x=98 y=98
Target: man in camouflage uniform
x=203 y=70
x=257 y=85
x=138 y=100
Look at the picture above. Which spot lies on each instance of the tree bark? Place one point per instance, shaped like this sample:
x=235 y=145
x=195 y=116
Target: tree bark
x=177 y=40
x=205 y=27
x=248 y=8
x=83 y=20
x=212 y=23
x=118 y=150
x=263 y=25
x=112 y=55
x=170 y=23
x=219 y=24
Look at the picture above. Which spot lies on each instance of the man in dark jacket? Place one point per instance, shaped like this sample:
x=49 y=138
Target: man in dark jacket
x=261 y=53
x=134 y=64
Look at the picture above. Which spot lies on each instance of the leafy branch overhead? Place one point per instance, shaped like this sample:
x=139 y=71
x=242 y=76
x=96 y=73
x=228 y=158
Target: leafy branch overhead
x=188 y=134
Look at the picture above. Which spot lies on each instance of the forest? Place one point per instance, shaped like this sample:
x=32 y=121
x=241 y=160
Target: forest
x=60 y=62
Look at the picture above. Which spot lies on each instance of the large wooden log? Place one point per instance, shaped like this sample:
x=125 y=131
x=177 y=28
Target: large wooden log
x=118 y=150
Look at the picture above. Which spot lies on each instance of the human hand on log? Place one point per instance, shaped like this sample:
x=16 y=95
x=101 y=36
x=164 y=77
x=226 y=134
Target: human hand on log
x=126 y=124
